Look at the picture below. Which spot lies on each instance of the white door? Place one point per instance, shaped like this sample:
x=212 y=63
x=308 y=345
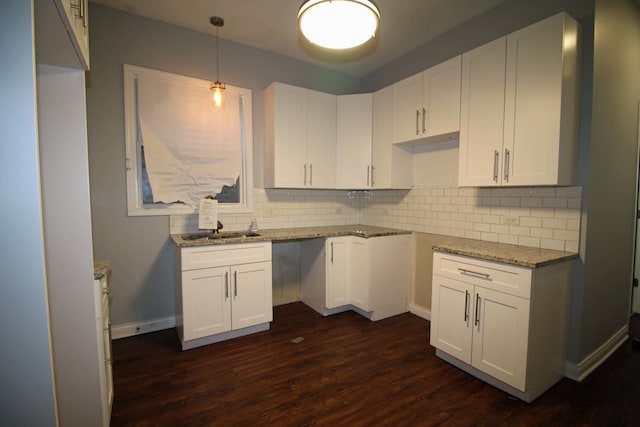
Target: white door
x=500 y=336
x=407 y=109
x=206 y=300
x=251 y=294
x=290 y=136
x=359 y=274
x=337 y=264
x=321 y=140
x=482 y=115
x=354 y=129
x=452 y=317
x=441 y=98
x=533 y=103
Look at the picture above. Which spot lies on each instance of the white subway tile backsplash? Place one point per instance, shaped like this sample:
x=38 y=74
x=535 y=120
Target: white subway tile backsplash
x=547 y=217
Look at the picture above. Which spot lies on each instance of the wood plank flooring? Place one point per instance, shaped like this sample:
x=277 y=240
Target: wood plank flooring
x=347 y=371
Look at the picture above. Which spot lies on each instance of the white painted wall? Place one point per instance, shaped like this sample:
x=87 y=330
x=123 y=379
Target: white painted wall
x=67 y=224
x=26 y=374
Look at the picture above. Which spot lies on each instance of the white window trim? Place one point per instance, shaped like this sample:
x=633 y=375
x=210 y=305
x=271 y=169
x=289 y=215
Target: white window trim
x=135 y=206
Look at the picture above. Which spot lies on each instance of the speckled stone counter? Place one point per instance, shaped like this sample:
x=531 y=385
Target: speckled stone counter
x=502 y=252
x=101 y=268
x=289 y=234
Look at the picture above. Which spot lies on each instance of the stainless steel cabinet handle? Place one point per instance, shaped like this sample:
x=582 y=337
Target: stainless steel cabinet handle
x=417 y=120
x=466 y=305
x=507 y=155
x=424 y=119
x=226 y=285
x=311 y=174
x=465 y=271
x=368 y=174
x=235 y=283
x=331 y=252
x=477 y=320
x=496 y=155
x=305 y=174
x=372 y=181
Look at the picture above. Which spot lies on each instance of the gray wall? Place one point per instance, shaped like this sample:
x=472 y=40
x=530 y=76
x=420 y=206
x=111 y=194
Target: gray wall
x=26 y=375
x=603 y=285
x=139 y=247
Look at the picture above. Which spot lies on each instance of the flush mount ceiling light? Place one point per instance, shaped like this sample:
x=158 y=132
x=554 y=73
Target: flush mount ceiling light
x=217 y=88
x=338 y=24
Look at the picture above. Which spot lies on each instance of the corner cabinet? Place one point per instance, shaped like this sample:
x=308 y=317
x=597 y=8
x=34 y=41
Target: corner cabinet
x=223 y=292
x=369 y=275
x=391 y=164
x=519 y=107
x=504 y=324
x=300 y=138
x=427 y=105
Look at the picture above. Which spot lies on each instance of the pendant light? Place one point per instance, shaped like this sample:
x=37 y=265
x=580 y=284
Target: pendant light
x=338 y=24
x=217 y=88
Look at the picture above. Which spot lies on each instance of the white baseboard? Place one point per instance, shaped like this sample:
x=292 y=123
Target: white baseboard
x=580 y=371
x=136 y=328
x=420 y=311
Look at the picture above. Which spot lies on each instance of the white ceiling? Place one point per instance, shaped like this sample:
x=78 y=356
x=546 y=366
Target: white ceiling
x=272 y=25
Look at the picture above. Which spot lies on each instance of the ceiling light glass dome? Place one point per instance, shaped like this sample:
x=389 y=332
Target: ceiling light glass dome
x=338 y=24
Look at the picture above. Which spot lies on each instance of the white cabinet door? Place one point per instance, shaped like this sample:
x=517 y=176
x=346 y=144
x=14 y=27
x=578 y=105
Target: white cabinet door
x=359 y=274
x=251 y=294
x=482 y=115
x=452 y=317
x=407 y=109
x=206 y=302
x=354 y=139
x=441 y=99
x=392 y=165
x=74 y=14
x=518 y=122
x=337 y=271
x=501 y=335
x=285 y=136
x=540 y=103
x=321 y=140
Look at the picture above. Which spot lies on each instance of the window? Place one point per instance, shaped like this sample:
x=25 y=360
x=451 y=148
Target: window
x=181 y=148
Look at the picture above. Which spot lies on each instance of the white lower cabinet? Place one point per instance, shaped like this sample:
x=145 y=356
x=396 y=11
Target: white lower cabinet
x=103 y=326
x=223 y=292
x=505 y=324
x=369 y=275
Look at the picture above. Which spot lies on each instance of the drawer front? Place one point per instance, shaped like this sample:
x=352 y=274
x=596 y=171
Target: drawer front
x=221 y=255
x=509 y=279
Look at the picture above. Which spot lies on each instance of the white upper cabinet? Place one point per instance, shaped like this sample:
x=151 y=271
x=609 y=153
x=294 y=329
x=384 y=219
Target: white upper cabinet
x=300 y=136
x=426 y=106
x=354 y=139
x=391 y=164
x=527 y=80
x=62 y=38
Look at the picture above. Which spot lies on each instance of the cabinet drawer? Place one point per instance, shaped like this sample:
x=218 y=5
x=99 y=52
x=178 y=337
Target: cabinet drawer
x=224 y=255
x=509 y=279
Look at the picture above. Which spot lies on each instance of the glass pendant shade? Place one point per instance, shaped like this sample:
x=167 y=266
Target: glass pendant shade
x=338 y=24
x=217 y=88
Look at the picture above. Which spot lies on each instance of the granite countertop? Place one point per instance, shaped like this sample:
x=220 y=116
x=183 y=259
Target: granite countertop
x=101 y=268
x=502 y=252
x=289 y=234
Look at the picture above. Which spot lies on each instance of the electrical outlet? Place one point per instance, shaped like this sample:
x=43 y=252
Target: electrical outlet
x=268 y=212
x=511 y=220
x=338 y=210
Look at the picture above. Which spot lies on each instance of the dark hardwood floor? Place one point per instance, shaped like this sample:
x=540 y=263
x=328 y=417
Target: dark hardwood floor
x=347 y=371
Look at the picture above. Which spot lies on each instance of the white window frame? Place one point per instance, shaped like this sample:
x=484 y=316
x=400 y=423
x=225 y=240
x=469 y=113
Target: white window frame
x=133 y=166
